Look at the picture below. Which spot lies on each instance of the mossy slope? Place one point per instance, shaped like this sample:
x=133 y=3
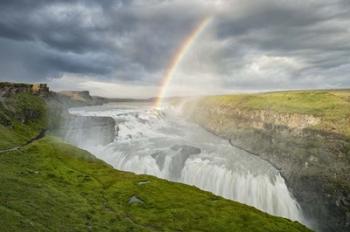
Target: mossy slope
x=52 y=186
x=22 y=117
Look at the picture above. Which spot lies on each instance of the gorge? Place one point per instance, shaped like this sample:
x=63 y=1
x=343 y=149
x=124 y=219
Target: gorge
x=159 y=143
x=49 y=185
x=288 y=163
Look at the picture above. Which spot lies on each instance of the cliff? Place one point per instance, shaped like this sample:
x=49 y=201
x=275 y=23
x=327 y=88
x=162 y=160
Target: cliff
x=83 y=96
x=303 y=134
x=96 y=130
x=23 y=116
x=9 y=89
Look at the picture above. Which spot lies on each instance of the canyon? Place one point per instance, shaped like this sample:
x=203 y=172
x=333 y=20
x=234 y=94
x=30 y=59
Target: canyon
x=311 y=150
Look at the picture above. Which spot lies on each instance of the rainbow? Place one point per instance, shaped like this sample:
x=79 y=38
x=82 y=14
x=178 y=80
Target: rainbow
x=177 y=58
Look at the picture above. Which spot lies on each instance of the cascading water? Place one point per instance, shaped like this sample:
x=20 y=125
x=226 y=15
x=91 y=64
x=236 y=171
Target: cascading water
x=163 y=145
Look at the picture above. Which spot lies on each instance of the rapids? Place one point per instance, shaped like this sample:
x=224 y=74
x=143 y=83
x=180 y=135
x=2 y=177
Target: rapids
x=162 y=144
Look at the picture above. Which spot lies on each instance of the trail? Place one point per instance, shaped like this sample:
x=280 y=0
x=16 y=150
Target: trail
x=16 y=148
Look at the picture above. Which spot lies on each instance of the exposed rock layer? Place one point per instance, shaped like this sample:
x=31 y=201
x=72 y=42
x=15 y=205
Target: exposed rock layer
x=315 y=163
x=8 y=89
x=94 y=130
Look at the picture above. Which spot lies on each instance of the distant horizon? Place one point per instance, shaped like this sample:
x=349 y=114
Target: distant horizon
x=184 y=96
x=149 y=48
x=172 y=96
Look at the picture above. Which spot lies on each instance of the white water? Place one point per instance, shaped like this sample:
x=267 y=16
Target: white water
x=162 y=144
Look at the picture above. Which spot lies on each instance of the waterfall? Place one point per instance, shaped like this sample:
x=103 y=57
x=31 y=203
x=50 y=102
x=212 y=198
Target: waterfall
x=163 y=145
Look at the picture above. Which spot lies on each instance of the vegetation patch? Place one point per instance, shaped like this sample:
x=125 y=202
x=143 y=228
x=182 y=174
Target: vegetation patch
x=22 y=117
x=52 y=186
x=332 y=107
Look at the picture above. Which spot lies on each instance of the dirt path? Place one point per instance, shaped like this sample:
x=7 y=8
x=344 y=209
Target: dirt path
x=37 y=137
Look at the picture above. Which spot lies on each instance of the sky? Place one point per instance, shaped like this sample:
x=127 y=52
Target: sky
x=122 y=48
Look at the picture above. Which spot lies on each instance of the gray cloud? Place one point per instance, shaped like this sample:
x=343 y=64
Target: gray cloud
x=250 y=45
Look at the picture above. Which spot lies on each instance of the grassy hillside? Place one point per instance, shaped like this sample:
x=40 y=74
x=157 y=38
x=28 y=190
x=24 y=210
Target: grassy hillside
x=22 y=117
x=51 y=186
x=333 y=107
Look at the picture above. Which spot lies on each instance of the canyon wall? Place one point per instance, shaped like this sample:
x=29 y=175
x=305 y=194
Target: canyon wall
x=94 y=130
x=88 y=132
x=314 y=162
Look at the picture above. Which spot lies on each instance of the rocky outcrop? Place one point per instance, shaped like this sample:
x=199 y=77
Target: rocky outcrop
x=315 y=163
x=40 y=89
x=9 y=89
x=94 y=130
x=84 y=131
x=58 y=105
x=83 y=96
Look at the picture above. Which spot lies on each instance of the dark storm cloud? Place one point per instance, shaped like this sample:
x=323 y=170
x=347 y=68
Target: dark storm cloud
x=131 y=37
x=315 y=33
x=37 y=44
x=266 y=43
x=38 y=22
x=28 y=61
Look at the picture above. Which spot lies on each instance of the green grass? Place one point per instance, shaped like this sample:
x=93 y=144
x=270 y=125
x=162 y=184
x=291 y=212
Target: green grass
x=52 y=186
x=22 y=117
x=332 y=107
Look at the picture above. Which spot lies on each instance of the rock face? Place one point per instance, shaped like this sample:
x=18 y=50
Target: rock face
x=40 y=89
x=94 y=130
x=8 y=89
x=83 y=96
x=59 y=103
x=315 y=163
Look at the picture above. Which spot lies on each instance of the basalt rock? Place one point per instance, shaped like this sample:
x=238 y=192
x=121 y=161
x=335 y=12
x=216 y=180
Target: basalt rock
x=186 y=149
x=95 y=131
x=315 y=163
